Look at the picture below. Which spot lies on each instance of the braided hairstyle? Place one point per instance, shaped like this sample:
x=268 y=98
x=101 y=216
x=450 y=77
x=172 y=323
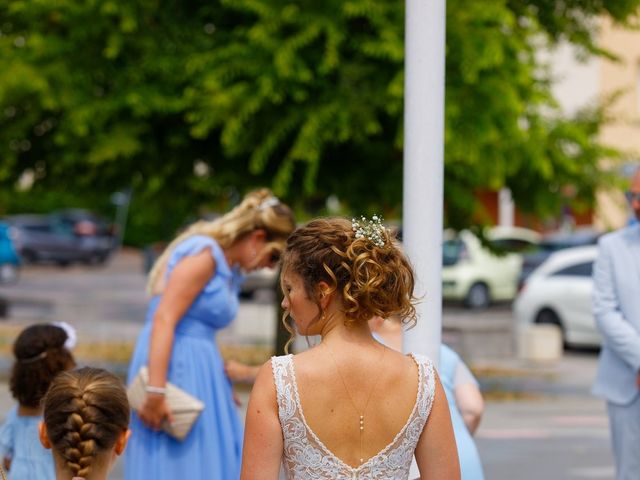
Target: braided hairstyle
x=85 y=412
x=372 y=279
x=40 y=355
x=259 y=209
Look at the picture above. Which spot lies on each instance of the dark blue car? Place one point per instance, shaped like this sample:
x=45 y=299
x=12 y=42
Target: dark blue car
x=9 y=259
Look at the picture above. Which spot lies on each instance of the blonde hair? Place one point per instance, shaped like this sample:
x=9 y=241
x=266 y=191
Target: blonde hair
x=258 y=210
x=85 y=412
x=372 y=280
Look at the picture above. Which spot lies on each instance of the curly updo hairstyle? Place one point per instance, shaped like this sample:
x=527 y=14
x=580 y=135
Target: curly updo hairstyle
x=40 y=355
x=85 y=412
x=372 y=280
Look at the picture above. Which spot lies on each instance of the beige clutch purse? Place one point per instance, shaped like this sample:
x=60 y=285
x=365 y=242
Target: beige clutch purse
x=185 y=408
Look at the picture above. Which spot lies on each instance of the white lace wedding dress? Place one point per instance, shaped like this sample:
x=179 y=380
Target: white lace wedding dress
x=306 y=458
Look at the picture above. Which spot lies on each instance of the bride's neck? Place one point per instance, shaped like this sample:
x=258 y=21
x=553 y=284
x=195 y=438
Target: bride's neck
x=339 y=331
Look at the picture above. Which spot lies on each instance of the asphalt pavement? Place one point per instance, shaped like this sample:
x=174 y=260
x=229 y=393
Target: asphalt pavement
x=540 y=419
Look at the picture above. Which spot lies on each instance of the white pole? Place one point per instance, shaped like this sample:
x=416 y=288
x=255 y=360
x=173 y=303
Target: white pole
x=506 y=208
x=424 y=167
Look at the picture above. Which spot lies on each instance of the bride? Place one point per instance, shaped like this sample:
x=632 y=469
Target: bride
x=349 y=407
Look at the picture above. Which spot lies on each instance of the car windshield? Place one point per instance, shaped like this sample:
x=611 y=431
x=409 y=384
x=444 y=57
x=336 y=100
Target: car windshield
x=451 y=251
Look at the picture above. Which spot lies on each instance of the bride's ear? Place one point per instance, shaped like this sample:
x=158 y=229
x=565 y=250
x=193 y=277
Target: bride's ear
x=325 y=294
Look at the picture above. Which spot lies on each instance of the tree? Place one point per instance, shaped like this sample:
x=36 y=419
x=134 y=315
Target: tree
x=192 y=102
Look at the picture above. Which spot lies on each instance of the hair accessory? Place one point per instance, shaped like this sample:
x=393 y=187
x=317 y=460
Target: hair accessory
x=372 y=230
x=72 y=336
x=268 y=203
x=34 y=359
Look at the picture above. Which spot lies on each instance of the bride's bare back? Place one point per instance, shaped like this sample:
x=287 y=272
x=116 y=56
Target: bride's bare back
x=328 y=407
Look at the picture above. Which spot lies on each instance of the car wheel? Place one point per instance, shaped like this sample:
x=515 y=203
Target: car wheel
x=477 y=296
x=549 y=317
x=8 y=273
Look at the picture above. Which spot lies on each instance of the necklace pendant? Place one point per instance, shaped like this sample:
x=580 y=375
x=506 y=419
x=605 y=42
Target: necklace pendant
x=361 y=423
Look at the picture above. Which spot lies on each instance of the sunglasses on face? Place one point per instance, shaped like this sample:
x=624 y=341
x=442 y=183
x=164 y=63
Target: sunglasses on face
x=633 y=196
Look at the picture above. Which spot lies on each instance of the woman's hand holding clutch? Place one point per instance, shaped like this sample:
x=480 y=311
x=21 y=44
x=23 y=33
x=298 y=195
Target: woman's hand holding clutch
x=155 y=411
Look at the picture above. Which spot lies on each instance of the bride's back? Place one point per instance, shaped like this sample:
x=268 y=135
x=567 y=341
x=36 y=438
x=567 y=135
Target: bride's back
x=340 y=409
x=335 y=388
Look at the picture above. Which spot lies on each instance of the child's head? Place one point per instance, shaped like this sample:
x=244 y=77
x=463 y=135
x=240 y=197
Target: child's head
x=363 y=266
x=40 y=354
x=86 y=420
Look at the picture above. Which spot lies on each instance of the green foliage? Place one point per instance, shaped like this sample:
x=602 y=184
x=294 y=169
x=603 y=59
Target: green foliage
x=191 y=103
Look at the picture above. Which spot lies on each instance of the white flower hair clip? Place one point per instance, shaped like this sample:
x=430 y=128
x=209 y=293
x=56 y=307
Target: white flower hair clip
x=372 y=230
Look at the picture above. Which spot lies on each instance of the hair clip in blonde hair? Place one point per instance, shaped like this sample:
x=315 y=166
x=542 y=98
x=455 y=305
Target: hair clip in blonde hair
x=268 y=203
x=372 y=230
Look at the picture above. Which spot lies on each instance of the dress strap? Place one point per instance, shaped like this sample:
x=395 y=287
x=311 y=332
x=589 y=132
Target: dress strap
x=283 y=377
x=427 y=385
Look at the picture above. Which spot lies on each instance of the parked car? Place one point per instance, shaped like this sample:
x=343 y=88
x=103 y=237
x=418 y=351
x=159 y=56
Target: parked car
x=477 y=276
x=83 y=222
x=554 y=242
x=257 y=280
x=59 y=239
x=9 y=259
x=559 y=292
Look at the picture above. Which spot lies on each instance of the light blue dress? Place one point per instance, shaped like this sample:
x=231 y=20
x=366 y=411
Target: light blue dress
x=470 y=465
x=212 y=449
x=19 y=440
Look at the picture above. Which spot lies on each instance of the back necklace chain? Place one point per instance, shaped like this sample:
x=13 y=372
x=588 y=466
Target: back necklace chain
x=353 y=403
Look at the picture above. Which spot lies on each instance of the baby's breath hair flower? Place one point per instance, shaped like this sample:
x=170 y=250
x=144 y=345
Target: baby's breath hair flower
x=372 y=230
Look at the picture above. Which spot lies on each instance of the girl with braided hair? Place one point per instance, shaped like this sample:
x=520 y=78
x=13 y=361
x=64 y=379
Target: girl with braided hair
x=195 y=285
x=349 y=407
x=41 y=352
x=86 y=420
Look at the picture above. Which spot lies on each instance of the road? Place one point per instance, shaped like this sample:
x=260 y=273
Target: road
x=540 y=420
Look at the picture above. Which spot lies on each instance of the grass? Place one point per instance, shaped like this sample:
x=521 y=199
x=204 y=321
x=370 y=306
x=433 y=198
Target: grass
x=119 y=352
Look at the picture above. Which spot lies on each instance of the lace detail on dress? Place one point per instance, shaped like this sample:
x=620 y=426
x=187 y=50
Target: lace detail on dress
x=306 y=457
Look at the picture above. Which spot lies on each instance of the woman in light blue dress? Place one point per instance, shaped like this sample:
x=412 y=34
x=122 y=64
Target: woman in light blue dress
x=452 y=372
x=194 y=287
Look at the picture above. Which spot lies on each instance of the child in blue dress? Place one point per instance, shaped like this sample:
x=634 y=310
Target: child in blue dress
x=41 y=352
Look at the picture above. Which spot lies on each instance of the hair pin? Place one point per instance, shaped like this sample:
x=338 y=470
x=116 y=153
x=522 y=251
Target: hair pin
x=372 y=230
x=268 y=203
x=33 y=359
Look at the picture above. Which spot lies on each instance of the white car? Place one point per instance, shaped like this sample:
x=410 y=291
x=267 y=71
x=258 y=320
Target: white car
x=473 y=274
x=559 y=292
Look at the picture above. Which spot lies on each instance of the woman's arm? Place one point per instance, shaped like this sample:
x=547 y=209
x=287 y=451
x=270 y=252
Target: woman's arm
x=468 y=397
x=471 y=405
x=263 y=443
x=436 y=452
x=241 y=372
x=185 y=283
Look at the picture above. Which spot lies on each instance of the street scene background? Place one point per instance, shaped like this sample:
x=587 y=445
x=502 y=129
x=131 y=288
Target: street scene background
x=540 y=420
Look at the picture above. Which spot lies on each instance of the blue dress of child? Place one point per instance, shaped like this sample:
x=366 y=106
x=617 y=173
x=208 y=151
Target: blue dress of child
x=470 y=464
x=19 y=440
x=212 y=449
